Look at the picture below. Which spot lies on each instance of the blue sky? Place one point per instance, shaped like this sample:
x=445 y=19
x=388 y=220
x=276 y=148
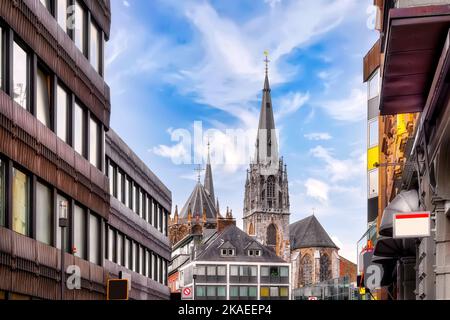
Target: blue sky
x=170 y=63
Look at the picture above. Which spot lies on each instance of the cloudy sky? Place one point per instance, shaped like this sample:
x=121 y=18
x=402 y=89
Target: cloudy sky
x=172 y=63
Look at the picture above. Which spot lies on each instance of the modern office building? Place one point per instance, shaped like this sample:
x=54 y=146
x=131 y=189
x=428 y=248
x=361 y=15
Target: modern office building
x=412 y=58
x=231 y=265
x=54 y=115
x=136 y=232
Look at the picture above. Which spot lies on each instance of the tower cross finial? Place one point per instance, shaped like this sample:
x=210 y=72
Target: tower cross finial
x=266 y=60
x=199 y=170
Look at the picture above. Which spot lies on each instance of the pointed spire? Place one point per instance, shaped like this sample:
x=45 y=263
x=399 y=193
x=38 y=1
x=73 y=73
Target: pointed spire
x=175 y=218
x=266 y=128
x=217 y=207
x=209 y=184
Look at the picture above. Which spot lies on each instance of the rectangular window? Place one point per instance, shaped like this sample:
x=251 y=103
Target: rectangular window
x=60 y=199
x=264 y=292
x=211 y=270
x=80 y=130
x=200 y=291
x=253 y=271
x=20 y=76
x=94 y=239
x=234 y=271
x=373 y=183
x=147 y=209
x=63 y=114
x=159 y=277
x=95 y=48
x=44 y=214
x=119 y=249
x=160 y=209
x=2 y=193
x=373 y=133
x=284 y=292
x=274 y=292
x=201 y=270
x=111 y=244
x=133 y=196
x=119 y=185
x=111 y=176
x=221 y=271
x=234 y=291
x=142 y=204
x=264 y=271
x=243 y=291
x=21 y=202
x=61 y=12
x=284 y=272
x=147 y=267
x=154 y=267
x=127 y=253
x=141 y=260
x=80 y=27
x=94 y=142
x=211 y=291
x=374 y=85
x=221 y=291
x=79 y=232
x=43 y=97
x=127 y=192
x=252 y=292
x=133 y=256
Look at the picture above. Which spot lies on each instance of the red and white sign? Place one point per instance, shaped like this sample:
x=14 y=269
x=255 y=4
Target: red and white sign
x=186 y=293
x=312 y=298
x=412 y=225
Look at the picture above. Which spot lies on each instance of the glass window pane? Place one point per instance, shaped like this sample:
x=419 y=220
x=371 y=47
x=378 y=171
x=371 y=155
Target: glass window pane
x=373 y=133
x=43 y=97
x=80 y=130
x=142 y=204
x=61 y=10
x=373 y=183
x=20 y=76
x=234 y=271
x=221 y=270
x=252 y=291
x=119 y=186
x=127 y=192
x=80 y=27
x=210 y=291
x=147 y=260
x=94 y=239
x=200 y=291
x=127 y=254
x=119 y=249
x=211 y=270
x=141 y=260
x=111 y=244
x=44 y=214
x=234 y=291
x=2 y=193
x=221 y=291
x=94 y=145
x=59 y=200
x=133 y=257
x=284 y=272
x=264 y=292
x=374 y=85
x=62 y=110
x=274 y=292
x=284 y=292
x=243 y=291
x=79 y=232
x=264 y=271
x=95 y=41
x=21 y=202
x=201 y=270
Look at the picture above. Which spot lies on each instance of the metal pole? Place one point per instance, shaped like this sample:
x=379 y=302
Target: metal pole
x=62 y=263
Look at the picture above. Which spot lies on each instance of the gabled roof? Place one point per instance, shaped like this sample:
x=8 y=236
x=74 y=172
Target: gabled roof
x=309 y=233
x=210 y=251
x=199 y=201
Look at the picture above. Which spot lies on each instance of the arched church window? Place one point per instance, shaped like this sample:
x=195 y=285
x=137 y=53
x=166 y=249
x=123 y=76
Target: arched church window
x=306 y=270
x=272 y=235
x=325 y=273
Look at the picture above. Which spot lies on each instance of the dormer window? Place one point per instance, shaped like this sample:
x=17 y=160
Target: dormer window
x=254 y=253
x=227 y=252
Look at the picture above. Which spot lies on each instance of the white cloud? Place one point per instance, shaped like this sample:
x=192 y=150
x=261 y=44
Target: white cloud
x=318 y=136
x=290 y=103
x=317 y=189
x=126 y=3
x=338 y=169
x=175 y=152
x=346 y=250
x=272 y=3
x=351 y=108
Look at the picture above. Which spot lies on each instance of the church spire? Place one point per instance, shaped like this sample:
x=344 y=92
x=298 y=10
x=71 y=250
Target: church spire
x=266 y=142
x=209 y=184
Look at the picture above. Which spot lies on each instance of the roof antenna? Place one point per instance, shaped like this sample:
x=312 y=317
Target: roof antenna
x=266 y=60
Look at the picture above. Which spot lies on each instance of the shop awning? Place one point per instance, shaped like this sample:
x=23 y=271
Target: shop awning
x=405 y=201
x=414 y=43
x=395 y=248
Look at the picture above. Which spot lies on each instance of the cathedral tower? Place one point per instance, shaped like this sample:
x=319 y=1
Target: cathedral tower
x=266 y=203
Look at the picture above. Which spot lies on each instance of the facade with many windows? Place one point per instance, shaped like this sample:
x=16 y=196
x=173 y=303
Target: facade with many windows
x=54 y=115
x=136 y=233
x=230 y=265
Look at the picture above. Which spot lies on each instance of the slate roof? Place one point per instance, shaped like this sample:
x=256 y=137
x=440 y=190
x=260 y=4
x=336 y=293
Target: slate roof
x=197 y=201
x=210 y=251
x=309 y=233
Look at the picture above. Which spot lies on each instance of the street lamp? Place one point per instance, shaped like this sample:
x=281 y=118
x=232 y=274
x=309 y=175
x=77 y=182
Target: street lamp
x=63 y=223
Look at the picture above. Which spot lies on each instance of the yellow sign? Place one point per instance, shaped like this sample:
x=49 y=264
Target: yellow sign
x=372 y=158
x=362 y=291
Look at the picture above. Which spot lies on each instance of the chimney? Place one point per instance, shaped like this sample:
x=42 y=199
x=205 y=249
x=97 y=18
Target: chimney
x=223 y=223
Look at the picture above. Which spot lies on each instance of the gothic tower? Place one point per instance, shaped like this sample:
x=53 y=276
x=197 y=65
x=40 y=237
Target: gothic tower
x=266 y=203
